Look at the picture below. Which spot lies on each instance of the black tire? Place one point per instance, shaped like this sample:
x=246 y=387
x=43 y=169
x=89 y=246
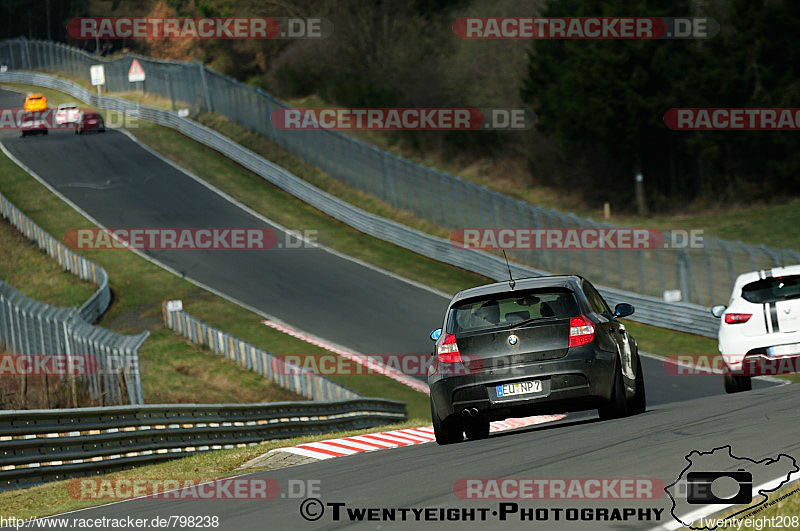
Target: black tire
x=737 y=384
x=45 y=132
x=617 y=406
x=447 y=431
x=23 y=134
x=639 y=402
x=477 y=429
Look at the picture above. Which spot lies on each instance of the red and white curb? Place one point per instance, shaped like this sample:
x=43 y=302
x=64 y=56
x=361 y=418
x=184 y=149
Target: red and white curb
x=385 y=440
x=366 y=361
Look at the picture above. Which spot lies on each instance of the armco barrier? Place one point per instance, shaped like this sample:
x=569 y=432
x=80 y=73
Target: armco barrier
x=68 y=260
x=30 y=327
x=273 y=368
x=54 y=444
x=684 y=317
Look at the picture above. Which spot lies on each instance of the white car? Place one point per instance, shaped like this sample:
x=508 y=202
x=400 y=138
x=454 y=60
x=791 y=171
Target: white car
x=67 y=113
x=762 y=319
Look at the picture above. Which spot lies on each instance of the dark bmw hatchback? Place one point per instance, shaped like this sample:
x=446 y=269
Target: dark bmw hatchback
x=535 y=346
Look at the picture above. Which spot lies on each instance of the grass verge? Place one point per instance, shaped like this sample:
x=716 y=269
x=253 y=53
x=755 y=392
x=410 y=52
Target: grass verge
x=53 y=498
x=37 y=275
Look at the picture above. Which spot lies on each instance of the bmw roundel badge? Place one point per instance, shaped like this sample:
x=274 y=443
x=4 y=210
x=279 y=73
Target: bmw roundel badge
x=512 y=339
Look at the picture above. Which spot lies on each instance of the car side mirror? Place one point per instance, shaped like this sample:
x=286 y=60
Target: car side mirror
x=623 y=309
x=718 y=310
x=436 y=334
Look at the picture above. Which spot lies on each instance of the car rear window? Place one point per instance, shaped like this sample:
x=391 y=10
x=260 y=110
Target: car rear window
x=772 y=289
x=503 y=310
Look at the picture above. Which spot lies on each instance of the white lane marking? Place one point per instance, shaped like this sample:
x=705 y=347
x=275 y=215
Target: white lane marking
x=371 y=363
x=265 y=219
x=354 y=444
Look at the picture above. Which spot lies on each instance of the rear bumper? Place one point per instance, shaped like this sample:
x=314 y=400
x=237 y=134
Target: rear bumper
x=581 y=380
x=735 y=347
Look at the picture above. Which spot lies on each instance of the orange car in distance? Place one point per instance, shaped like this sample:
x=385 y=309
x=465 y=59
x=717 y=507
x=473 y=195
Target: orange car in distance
x=35 y=102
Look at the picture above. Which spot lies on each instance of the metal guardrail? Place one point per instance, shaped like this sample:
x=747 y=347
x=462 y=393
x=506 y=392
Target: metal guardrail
x=33 y=328
x=684 y=317
x=47 y=445
x=273 y=368
x=703 y=275
x=36 y=329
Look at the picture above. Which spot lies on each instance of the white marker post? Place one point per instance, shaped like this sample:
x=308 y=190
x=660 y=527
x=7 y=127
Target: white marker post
x=98 y=75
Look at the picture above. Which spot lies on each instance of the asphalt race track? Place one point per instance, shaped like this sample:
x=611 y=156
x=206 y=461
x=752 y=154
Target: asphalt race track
x=122 y=185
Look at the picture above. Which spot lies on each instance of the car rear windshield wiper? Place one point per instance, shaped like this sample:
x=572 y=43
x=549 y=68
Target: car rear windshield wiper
x=526 y=321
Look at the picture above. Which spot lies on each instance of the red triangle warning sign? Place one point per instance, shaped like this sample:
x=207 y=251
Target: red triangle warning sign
x=136 y=72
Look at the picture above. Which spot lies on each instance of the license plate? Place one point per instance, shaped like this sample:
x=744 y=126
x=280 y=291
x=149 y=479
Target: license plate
x=783 y=350
x=519 y=388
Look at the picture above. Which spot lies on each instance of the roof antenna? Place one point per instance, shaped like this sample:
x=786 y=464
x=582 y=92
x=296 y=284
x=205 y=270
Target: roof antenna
x=511 y=281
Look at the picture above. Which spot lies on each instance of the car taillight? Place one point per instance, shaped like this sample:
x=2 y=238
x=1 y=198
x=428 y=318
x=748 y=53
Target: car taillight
x=448 y=350
x=735 y=318
x=581 y=331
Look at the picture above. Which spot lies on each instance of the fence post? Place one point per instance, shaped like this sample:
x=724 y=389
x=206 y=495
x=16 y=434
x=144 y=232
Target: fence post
x=204 y=82
x=683 y=275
